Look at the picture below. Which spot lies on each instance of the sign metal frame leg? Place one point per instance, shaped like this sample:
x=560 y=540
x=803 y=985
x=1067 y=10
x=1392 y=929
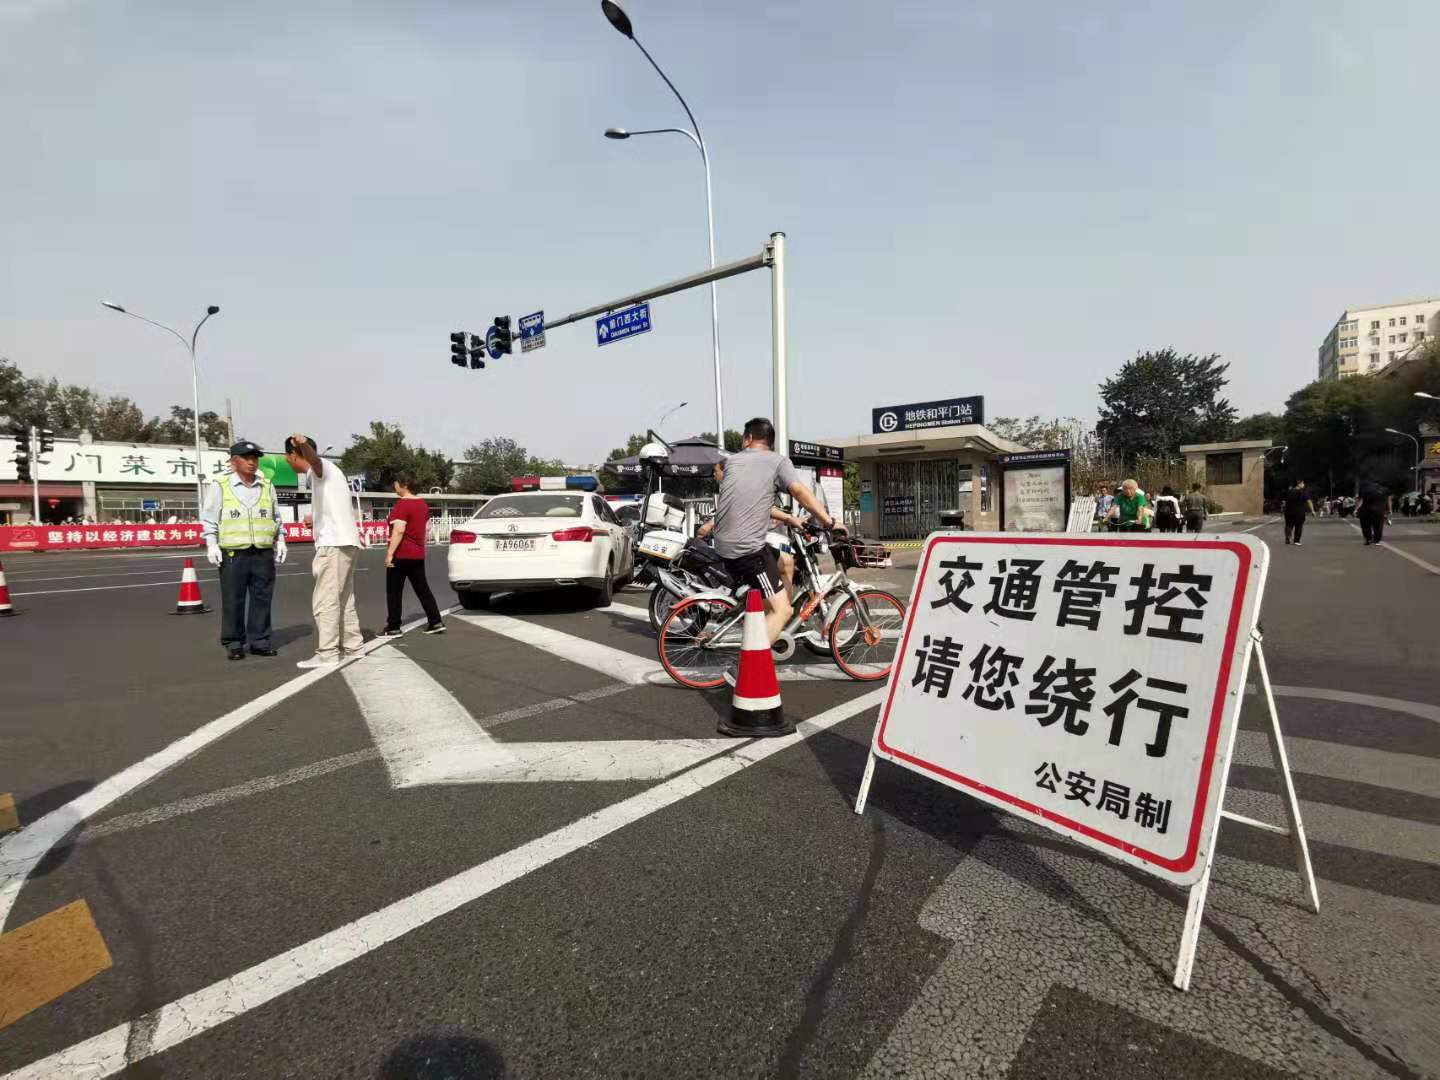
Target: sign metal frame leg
x=1195 y=907
x=865 y=781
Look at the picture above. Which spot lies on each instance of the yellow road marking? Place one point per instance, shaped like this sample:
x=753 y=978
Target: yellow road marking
x=48 y=957
x=9 y=819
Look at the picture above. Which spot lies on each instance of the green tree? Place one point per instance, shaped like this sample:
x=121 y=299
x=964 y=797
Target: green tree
x=383 y=454
x=1162 y=400
x=490 y=464
x=180 y=428
x=733 y=439
x=1034 y=432
x=1264 y=425
x=1334 y=430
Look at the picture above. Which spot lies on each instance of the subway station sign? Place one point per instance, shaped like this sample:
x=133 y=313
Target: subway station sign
x=920 y=415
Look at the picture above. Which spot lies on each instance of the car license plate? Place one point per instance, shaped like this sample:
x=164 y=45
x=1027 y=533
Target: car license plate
x=515 y=544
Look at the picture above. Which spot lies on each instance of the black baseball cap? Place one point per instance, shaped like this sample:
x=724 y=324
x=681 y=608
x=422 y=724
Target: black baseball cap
x=245 y=448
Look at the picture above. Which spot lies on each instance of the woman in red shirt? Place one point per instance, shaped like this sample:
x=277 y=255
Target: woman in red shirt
x=405 y=558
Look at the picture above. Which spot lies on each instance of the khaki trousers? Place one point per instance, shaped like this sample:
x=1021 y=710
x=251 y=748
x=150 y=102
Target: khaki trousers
x=333 y=602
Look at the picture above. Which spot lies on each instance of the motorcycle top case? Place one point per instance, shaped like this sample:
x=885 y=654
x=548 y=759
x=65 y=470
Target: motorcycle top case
x=661 y=544
x=665 y=511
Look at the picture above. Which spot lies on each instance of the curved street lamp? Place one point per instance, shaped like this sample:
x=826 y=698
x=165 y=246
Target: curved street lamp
x=194 y=383
x=621 y=22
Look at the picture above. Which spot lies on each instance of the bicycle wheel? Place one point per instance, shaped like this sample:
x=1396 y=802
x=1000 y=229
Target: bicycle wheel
x=661 y=601
x=700 y=640
x=865 y=637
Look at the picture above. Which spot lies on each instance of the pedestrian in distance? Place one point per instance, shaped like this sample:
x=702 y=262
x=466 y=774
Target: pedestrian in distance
x=1196 y=510
x=405 y=558
x=1371 y=511
x=1167 y=510
x=337 y=548
x=1297 y=507
x=240 y=523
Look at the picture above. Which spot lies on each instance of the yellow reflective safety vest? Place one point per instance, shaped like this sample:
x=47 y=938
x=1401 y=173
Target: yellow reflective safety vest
x=242 y=526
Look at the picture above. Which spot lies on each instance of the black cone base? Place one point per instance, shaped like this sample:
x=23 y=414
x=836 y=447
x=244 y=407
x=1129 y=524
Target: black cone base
x=759 y=724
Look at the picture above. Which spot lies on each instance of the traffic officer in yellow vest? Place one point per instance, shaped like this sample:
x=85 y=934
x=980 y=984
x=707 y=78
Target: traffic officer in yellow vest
x=243 y=537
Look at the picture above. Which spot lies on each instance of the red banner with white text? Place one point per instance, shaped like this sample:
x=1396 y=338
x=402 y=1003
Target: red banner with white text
x=91 y=537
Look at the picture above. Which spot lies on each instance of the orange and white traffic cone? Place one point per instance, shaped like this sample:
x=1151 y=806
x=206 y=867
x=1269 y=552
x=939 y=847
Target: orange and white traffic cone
x=5 y=606
x=755 y=709
x=190 y=602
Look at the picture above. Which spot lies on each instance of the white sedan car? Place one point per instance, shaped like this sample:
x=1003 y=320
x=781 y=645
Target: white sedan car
x=540 y=540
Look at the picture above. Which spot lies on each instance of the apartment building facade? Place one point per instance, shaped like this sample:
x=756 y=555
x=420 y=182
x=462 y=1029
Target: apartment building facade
x=1364 y=341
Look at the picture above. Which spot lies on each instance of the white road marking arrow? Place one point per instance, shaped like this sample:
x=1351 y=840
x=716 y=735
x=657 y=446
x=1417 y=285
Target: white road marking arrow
x=427 y=737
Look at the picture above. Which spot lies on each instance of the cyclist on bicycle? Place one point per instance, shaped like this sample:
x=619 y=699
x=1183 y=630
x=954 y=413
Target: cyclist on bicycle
x=1130 y=508
x=751 y=479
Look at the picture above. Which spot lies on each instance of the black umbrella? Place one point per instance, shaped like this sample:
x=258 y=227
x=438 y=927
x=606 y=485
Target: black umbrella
x=688 y=457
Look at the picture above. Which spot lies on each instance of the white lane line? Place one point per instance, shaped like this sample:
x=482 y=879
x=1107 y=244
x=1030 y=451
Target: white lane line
x=170 y=1025
x=1403 y=554
x=618 y=664
x=21 y=851
x=1346 y=697
x=1378 y=834
x=167 y=811
x=428 y=737
x=157 y=814
x=1381 y=768
x=97 y=574
x=154 y=584
x=1262 y=524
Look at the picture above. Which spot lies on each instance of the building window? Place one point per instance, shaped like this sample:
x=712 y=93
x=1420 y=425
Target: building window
x=1402 y=320
x=1402 y=339
x=1374 y=358
x=1374 y=324
x=1390 y=355
x=1222 y=469
x=1419 y=335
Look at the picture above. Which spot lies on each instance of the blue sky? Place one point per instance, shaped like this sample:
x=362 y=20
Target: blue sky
x=1007 y=199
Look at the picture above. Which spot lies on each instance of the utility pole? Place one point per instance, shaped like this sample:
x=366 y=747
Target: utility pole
x=229 y=423
x=35 y=472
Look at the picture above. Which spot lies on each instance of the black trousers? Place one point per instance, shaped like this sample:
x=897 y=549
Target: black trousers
x=247 y=574
x=413 y=571
x=1372 y=526
x=1294 y=526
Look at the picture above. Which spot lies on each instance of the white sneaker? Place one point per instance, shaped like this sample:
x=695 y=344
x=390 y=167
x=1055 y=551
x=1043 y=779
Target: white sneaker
x=318 y=662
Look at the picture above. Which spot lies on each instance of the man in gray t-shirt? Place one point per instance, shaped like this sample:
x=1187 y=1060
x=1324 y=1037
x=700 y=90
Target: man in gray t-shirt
x=752 y=479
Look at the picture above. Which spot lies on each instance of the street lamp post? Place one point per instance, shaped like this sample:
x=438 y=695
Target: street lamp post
x=1413 y=439
x=660 y=424
x=194 y=385
x=621 y=22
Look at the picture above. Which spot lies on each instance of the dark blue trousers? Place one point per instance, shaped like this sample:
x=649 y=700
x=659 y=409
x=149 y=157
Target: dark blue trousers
x=246 y=574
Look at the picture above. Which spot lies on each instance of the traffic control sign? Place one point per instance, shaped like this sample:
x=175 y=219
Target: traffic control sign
x=532 y=331
x=492 y=342
x=619 y=325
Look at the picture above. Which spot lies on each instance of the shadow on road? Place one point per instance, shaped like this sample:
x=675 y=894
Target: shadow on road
x=47 y=802
x=444 y=1057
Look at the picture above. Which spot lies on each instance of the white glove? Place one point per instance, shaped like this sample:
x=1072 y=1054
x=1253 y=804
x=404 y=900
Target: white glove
x=280 y=549
x=212 y=552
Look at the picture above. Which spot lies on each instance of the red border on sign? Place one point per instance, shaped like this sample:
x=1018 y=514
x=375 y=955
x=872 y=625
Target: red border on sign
x=1217 y=709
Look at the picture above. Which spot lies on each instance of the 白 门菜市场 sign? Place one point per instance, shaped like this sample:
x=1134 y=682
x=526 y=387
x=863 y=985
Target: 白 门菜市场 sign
x=619 y=325
x=927 y=414
x=1088 y=684
x=532 y=331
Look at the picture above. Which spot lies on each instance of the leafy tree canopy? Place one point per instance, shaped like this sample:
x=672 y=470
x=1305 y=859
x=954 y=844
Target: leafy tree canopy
x=1162 y=400
x=383 y=454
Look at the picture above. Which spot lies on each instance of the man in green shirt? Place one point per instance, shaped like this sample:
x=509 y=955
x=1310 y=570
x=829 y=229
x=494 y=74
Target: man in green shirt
x=1131 y=506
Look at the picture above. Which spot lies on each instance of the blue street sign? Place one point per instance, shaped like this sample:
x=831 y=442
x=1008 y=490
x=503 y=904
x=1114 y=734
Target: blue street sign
x=149 y=504
x=532 y=331
x=492 y=342
x=619 y=325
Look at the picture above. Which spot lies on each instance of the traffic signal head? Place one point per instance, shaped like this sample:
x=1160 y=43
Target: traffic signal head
x=477 y=352
x=47 y=440
x=502 y=332
x=457 y=348
x=22 y=458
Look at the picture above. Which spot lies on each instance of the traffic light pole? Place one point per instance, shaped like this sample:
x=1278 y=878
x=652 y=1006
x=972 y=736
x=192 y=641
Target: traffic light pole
x=35 y=472
x=772 y=255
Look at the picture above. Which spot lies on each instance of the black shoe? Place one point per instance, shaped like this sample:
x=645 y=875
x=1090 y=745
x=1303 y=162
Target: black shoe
x=438 y=628
x=235 y=653
x=263 y=652
x=387 y=632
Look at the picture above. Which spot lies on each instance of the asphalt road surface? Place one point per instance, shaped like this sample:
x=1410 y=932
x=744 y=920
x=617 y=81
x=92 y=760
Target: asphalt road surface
x=517 y=850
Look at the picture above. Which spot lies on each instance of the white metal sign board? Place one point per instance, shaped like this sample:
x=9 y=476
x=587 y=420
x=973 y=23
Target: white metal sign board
x=1089 y=684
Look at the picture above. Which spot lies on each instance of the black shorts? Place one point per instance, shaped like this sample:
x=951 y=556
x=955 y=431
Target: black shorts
x=759 y=570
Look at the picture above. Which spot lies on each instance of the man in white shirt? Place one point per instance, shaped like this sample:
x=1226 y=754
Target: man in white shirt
x=337 y=546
